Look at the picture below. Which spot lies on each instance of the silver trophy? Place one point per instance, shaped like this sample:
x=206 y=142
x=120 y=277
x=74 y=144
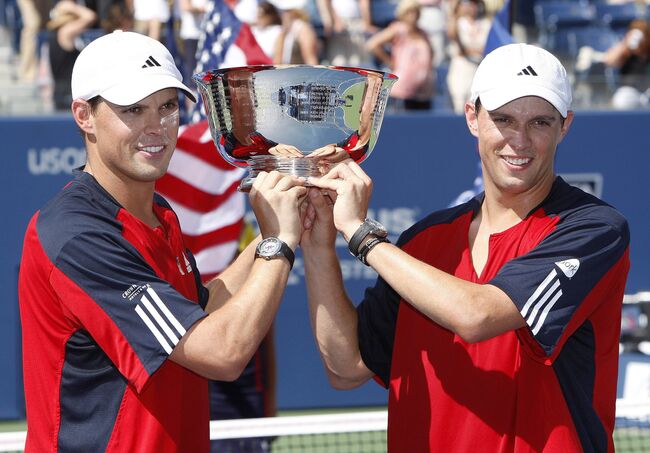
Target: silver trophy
x=295 y=118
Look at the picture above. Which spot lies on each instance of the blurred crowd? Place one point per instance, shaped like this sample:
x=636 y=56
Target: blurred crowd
x=433 y=46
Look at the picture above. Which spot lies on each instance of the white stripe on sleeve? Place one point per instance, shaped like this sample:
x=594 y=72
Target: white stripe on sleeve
x=163 y=308
x=538 y=291
x=161 y=322
x=154 y=330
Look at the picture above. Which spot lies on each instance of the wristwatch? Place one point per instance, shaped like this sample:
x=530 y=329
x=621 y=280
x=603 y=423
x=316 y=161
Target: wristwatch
x=272 y=248
x=368 y=226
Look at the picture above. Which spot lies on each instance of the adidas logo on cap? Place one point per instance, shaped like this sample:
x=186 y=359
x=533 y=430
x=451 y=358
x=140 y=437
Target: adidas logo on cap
x=111 y=67
x=528 y=70
x=519 y=70
x=150 y=62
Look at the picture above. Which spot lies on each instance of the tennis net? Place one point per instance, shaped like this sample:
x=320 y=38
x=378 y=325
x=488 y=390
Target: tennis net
x=355 y=432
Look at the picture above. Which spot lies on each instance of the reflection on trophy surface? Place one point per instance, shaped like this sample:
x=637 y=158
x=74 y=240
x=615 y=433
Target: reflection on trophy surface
x=296 y=119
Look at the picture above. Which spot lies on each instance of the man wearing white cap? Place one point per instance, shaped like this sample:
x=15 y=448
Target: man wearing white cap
x=119 y=334
x=494 y=324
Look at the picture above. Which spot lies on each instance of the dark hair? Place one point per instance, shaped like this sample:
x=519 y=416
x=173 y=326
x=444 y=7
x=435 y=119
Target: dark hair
x=270 y=10
x=477 y=108
x=94 y=103
x=116 y=16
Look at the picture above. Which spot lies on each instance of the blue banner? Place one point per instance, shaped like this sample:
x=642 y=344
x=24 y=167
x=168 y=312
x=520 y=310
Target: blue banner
x=420 y=164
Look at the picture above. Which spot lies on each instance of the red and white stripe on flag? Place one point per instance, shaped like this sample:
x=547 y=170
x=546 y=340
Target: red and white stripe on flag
x=245 y=50
x=202 y=188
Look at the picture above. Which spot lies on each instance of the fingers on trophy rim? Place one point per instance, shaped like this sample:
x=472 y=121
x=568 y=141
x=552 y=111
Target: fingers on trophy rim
x=283 y=149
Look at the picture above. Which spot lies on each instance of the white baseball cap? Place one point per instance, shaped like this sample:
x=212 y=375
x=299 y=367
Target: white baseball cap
x=124 y=68
x=516 y=70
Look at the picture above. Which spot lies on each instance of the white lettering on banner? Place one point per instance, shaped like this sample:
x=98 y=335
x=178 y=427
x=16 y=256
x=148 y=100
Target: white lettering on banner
x=53 y=161
x=589 y=182
x=351 y=269
x=396 y=220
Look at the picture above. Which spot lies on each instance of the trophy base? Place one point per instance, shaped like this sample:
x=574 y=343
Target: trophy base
x=296 y=166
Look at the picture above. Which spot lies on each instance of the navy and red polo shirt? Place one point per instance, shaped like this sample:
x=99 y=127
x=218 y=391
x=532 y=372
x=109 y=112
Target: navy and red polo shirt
x=549 y=386
x=104 y=298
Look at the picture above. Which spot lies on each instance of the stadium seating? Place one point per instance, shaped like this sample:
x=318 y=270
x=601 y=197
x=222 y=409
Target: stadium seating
x=586 y=43
x=382 y=12
x=11 y=19
x=598 y=38
x=557 y=20
x=618 y=16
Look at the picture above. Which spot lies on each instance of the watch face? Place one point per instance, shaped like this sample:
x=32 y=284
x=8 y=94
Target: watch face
x=376 y=227
x=269 y=247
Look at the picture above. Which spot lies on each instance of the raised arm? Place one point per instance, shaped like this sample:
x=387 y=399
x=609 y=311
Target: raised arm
x=333 y=316
x=82 y=19
x=241 y=310
x=376 y=44
x=475 y=312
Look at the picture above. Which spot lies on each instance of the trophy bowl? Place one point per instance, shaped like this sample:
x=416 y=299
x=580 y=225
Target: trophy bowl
x=296 y=119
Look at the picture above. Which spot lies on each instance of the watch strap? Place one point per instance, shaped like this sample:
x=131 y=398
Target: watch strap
x=357 y=238
x=369 y=245
x=285 y=251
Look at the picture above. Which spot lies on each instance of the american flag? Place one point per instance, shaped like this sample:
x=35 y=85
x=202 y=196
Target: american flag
x=200 y=185
x=225 y=42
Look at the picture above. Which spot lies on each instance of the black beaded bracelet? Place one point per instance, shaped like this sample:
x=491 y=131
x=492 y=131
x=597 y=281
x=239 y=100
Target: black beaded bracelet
x=370 y=243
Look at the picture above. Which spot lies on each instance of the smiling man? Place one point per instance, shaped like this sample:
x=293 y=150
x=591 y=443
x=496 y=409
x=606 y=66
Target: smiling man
x=119 y=334
x=494 y=324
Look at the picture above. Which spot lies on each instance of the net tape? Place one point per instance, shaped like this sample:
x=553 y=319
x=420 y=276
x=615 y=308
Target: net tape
x=632 y=431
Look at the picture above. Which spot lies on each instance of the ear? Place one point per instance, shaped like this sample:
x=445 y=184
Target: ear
x=565 y=126
x=471 y=118
x=83 y=116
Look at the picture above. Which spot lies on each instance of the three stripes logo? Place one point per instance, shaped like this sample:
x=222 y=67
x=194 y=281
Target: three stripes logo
x=528 y=70
x=150 y=62
x=160 y=321
x=186 y=265
x=547 y=294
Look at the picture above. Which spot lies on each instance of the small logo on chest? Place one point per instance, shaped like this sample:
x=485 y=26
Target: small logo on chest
x=133 y=291
x=184 y=267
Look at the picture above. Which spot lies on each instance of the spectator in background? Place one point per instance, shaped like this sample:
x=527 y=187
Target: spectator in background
x=245 y=10
x=410 y=57
x=68 y=21
x=433 y=20
x=631 y=56
x=31 y=12
x=297 y=42
x=493 y=6
x=467 y=30
x=105 y=8
x=346 y=25
x=150 y=16
x=118 y=15
x=192 y=12
x=267 y=27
